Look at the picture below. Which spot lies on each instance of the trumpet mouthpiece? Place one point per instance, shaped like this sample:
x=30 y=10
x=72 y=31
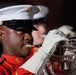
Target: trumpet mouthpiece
x=29 y=45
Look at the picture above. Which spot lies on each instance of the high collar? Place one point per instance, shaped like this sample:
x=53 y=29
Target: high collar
x=13 y=59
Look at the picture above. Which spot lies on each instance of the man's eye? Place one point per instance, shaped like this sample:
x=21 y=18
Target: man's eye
x=20 y=32
x=24 y=31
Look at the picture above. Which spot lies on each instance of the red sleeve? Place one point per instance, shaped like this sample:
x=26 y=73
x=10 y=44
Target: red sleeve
x=22 y=71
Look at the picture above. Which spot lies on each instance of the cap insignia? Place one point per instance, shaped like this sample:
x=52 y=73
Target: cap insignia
x=28 y=10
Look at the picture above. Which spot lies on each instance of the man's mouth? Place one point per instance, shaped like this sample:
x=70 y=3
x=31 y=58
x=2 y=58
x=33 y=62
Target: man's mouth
x=27 y=45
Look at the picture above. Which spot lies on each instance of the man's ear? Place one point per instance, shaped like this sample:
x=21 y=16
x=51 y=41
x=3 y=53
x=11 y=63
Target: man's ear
x=2 y=34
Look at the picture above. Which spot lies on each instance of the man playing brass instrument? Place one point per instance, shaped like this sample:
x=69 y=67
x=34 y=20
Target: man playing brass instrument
x=15 y=33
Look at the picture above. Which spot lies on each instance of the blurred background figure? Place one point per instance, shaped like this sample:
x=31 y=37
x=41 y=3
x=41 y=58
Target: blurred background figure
x=68 y=31
x=41 y=24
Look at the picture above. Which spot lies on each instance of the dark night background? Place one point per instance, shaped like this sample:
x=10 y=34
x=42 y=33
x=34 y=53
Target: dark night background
x=62 y=12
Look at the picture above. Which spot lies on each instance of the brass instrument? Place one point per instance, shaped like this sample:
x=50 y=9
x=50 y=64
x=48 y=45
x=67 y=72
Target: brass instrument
x=65 y=55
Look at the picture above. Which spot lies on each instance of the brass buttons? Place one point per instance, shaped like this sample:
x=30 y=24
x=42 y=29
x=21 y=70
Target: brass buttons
x=17 y=74
x=17 y=60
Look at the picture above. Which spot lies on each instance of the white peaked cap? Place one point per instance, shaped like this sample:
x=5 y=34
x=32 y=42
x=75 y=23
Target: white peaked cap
x=42 y=13
x=18 y=12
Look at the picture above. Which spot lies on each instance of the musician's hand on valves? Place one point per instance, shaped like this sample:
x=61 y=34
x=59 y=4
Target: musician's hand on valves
x=35 y=62
x=52 y=38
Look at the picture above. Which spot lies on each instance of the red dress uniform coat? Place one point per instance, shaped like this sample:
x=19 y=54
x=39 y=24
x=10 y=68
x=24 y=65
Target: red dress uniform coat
x=9 y=65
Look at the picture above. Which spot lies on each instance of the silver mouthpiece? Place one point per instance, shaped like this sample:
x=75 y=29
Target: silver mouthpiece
x=29 y=45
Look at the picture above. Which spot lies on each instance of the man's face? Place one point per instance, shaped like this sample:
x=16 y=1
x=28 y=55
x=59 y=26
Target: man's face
x=15 y=42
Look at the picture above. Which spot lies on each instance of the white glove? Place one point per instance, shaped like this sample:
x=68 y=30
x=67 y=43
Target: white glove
x=37 y=60
x=51 y=39
x=67 y=30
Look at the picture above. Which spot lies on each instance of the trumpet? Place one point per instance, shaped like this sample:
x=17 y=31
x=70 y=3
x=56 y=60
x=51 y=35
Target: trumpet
x=66 y=56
